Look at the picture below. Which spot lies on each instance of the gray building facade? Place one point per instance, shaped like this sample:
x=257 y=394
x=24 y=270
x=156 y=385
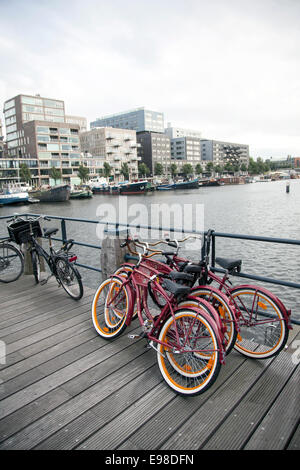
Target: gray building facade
x=220 y=152
x=154 y=148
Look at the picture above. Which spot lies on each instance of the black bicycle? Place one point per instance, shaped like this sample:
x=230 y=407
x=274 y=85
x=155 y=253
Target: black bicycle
x=11 y=262
x=60 y=263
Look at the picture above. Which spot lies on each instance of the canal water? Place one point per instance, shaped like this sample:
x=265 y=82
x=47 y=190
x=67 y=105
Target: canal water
x=263 y=209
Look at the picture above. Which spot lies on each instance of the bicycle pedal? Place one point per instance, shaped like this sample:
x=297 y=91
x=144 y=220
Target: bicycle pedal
x=134 y=336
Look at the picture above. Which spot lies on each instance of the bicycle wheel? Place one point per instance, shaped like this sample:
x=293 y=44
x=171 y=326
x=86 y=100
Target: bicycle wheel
x=191 y=366
x=110 y=308
x=11 y=263
x=263 y=328
x=68 y=276
x=36 y=266
x=225 y=311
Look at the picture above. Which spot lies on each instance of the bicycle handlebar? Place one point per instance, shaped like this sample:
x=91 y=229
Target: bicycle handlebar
x=28 y=219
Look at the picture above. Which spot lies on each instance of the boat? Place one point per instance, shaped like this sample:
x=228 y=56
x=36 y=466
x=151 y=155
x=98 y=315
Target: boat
x=81 y=193
x=13 y=195
x=13 y=198
x=211 y=182
x=138 y=187
x=59 y=193
x=191 y=184
x=164 y=187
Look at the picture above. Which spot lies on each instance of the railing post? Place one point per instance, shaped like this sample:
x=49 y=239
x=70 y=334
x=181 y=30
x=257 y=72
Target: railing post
x=63 y=230
x=213 y=250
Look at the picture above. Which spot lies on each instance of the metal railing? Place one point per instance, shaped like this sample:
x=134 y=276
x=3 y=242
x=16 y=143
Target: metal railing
x=118 y=226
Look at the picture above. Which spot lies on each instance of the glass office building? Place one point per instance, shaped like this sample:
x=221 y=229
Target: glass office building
x=139 y=119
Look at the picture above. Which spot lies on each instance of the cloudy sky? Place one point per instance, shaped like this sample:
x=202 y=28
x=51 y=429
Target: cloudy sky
x=229 y=68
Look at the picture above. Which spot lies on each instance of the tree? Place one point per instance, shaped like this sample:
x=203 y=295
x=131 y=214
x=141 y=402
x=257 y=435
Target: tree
x=218 y=169
x=83 y=173
x=143 y=170
x=198 y=169
x=125 y=171
x=107 y=169
x=187 y=169
x=252 y=168
x=25 y=173
x=243 y=167
x=229 y=168
x=209 y=167
x=55 y=174
x=158 y=169
x=173 y=169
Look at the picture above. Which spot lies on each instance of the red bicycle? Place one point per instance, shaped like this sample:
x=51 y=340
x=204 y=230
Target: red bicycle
x=263 y=320
x=188 y=339
x=219 y=300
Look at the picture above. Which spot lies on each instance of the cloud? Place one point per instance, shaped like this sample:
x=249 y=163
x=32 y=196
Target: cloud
x=228 y=68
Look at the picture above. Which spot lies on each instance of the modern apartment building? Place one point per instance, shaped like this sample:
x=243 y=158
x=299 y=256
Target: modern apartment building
x=37 y=134
x=139 y=119
x=154 y=148
x=111 y=145
x=221 y=152
x=186 y=150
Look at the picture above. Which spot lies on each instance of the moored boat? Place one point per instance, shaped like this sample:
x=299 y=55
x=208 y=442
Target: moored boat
x=138 y=187
x=13 y=198
x=13 y=195
x=59 y=193
x=190 y=184
x=81 y=193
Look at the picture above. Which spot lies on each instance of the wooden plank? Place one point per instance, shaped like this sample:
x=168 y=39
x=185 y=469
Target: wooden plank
x=44 y=313
x=30 y=413
x=56 y=379
x=47 y=425
x=111 y=406
x=81 y=315
x=162 y=425
x=294 y=444
x=277 y=427
x=43 y=323
x=247 y=415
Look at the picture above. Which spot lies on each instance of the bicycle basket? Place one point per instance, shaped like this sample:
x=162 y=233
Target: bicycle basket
x=19 y=232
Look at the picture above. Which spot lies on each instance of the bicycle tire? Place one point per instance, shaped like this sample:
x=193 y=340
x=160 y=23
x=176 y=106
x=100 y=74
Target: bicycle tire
x=11 y=263
x=36 y=266
x=259 y=338
x=109 y=319
x=68 y=276
x=188 y=372
x=224 y=310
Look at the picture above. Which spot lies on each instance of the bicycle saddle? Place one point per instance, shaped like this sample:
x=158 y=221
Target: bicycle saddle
x=230 y=264
x=176 y=289
x=180 y=276
x=193 y=268
x=50 y=231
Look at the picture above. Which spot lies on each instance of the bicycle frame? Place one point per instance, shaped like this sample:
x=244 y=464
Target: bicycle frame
x=140 y=280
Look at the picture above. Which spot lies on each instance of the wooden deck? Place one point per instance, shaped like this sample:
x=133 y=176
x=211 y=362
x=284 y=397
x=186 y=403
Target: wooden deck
x=64 y=387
